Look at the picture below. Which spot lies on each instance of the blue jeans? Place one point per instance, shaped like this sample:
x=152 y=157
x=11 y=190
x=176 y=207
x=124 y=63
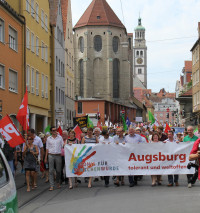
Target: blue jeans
x=172 y=179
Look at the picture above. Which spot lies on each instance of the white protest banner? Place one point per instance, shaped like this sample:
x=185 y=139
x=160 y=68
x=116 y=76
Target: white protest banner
x=86 y=160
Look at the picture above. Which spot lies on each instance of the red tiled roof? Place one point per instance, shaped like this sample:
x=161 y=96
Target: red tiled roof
x=64 y=8
x=53 y=11
x=99 y=13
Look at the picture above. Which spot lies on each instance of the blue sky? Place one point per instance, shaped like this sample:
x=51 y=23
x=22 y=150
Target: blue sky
x=171 y=31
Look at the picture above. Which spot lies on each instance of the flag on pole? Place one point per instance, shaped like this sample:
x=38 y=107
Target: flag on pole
x=78 y=132
x=23 y=113
x=10 y=133
x=196 y=130
x=59 y=130
x=99 y=125
x=151 y=117
x=124 y=123
x=89 y=123
x=128 y=123
x=167 y=128
x=47 y=129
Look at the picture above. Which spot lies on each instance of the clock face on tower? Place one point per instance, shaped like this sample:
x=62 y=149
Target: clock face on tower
x=139 y=60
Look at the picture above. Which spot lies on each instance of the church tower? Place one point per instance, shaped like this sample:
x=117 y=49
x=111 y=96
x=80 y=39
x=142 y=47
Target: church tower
x=140 y=55
x=102 y=54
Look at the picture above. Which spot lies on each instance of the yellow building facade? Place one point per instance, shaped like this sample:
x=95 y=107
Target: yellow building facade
x=38 y=60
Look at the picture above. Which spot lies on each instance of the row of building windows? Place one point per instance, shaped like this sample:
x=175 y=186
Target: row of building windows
x=12 y=35
x=195 y=78
x=69 y=59
x=32 y=82
x=33 y=8
x=70 y=88
x=60 y=96
x=98 y=43
x=195 y=56
x=13 y=79
x=196 y=98
x=70 y=114
x=140 y=35
x=33 y=44
x=139 y=53
x=60 y=67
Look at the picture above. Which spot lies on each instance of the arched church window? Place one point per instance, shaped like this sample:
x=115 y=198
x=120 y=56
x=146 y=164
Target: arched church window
x=115 y=44
x=81 y=44
x=141 y=53
x=81 y=69
x=116 y=71
x=98 y=43
x=137 y=53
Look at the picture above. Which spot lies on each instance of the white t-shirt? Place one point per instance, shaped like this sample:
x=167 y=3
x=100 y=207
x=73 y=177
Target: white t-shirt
x=54 y=145
x=38 y=142
x=106 y=140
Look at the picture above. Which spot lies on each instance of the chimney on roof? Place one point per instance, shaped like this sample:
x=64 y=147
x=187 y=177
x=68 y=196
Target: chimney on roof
x=199 y=29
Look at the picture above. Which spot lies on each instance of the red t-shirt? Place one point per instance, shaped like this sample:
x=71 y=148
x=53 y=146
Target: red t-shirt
x=194 y=150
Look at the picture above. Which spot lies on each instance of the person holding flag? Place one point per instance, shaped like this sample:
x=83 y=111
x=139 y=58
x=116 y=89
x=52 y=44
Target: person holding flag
x=38 y=142
x=30 y=155
x=23 y=113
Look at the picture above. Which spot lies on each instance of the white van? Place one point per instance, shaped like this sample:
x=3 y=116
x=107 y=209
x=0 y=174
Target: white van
x=8 y=193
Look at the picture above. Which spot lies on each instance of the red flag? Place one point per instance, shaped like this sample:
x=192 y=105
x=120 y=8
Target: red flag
x=10 y=132
x=23 y=114
x=59 y=130
x=78 y=132
x=99 y=125
x=167 y=128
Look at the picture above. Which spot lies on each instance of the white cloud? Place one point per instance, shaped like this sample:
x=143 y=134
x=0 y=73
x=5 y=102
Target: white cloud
x=162 y=20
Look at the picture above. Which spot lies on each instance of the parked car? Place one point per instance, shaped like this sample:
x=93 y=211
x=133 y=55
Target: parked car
x=8 y=193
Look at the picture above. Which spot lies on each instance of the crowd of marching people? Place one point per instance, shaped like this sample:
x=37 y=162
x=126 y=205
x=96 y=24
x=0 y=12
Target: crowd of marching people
x=44 y=153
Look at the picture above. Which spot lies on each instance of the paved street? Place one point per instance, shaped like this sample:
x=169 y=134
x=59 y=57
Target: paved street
x=139 y=199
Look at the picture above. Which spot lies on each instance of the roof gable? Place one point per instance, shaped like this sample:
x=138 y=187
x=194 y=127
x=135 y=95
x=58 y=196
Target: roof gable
x=64 y=8
x=99 y=13
x=53 y=11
